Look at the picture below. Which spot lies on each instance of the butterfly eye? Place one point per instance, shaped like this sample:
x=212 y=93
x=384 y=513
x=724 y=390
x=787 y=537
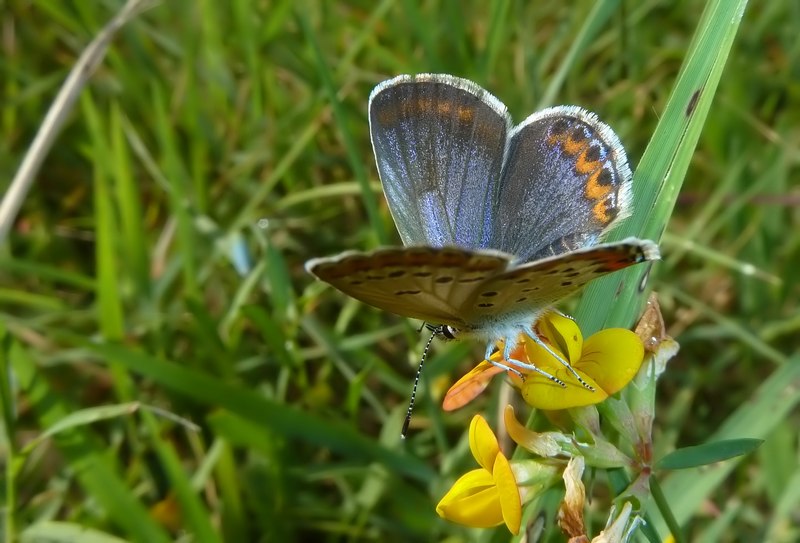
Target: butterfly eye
x=448 y=332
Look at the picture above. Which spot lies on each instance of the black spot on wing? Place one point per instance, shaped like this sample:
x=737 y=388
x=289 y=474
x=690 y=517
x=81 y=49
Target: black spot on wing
x=605 y=178
x=472 y=279
x=593 y=153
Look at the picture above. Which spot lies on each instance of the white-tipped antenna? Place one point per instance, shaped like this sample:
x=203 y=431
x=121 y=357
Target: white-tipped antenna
x=435 y=331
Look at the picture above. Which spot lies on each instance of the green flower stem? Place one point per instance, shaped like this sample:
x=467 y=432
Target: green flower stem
x=666 y=512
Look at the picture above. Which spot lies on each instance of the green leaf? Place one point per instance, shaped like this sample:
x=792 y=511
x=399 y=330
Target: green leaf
x=708 y=453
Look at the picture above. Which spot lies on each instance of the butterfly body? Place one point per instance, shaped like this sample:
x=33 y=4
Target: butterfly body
x=499 y=222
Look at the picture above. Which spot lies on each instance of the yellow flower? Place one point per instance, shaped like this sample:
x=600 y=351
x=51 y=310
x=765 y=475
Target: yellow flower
x=487 y=496
x=607 y=361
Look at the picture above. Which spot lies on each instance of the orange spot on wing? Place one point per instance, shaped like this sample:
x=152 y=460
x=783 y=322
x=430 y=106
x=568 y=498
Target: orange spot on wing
x=594 y=189
x=601 y=213
x=424 y=104
x=573 y=147
x=466 y=114
x=584 y=166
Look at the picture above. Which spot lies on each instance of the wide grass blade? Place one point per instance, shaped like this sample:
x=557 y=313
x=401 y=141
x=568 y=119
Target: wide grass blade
x=660 y=174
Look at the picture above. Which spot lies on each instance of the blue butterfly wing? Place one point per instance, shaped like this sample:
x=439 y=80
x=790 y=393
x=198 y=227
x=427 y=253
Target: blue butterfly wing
x=565 y=183
x=439 y=143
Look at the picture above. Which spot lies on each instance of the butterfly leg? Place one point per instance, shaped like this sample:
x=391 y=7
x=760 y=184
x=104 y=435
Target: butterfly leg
x=531 y=333
x=490 y=350
x=508 y=346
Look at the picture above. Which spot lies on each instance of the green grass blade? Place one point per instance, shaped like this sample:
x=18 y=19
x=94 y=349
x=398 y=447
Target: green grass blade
x=284 y=419
x=65 y=532
x=83 y=417
x=660 y=173
x=594 y=23
x=127 y=194
x=86 y=454
x=108 y=268
x=353 y=153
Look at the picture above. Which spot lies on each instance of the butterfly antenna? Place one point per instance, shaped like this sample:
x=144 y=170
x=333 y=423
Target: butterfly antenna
x=435 y=331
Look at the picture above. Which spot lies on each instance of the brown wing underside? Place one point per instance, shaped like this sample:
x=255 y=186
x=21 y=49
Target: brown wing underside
x=431 y=284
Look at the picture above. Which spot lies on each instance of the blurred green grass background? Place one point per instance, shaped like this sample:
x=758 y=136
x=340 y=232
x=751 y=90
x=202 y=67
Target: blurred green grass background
x=159 y=259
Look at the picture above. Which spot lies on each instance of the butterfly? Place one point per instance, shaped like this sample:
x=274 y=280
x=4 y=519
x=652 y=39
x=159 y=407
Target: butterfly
x=499 y=222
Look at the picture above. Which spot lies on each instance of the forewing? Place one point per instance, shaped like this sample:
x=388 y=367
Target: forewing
x=535 y=286
x=439 y=143
x=430 y=284
x=565 y=182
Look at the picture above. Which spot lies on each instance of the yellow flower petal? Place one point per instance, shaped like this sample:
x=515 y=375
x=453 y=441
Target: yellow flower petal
x=542 y=393
x=539 y=357
x=612 y=357
x=483 y=443
x=508 y=494
x=539 y=391
x=563 y=334
x=607 y=361
x=541 y=444
x=472 y=501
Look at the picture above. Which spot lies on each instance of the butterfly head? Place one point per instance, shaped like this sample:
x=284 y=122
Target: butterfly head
x=444 y=331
